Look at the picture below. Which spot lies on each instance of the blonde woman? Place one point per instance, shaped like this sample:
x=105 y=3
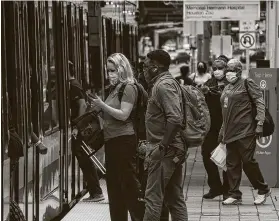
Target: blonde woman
x=120 y=140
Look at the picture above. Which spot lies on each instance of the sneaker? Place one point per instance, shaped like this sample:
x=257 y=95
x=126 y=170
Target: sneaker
x=211 y=195
x=225 y=196
x=232 y=201
x=260 y=199
x=95 y=198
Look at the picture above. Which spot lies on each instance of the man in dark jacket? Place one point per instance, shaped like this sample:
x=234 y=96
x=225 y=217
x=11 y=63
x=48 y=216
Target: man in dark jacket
x=212 y=90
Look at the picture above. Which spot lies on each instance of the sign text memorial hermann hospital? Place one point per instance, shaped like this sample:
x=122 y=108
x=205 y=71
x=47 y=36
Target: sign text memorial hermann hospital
x=217 y=11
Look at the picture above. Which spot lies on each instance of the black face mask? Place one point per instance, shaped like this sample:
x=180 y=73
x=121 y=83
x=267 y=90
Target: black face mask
x=201 y=69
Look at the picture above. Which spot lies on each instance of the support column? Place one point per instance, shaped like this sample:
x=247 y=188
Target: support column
x=206 y=41
x=216 y=27
x=272 y=33
x=199 y=47
x=224 y=28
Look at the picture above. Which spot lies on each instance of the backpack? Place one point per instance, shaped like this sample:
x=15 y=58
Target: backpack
x=88 y=124
x=90 y=130
x=138 y=114
x=196 y=117
x=268 y=126
x=196 y=121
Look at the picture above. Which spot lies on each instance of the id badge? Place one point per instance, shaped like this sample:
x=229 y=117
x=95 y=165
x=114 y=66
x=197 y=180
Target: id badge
x=226 y=101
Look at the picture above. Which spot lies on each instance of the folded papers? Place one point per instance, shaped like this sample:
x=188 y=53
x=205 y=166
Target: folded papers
x=218 y=156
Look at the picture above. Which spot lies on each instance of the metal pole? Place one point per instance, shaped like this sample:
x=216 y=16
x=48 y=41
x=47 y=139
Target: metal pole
x=247 y=62
x=221 y=47
x=124 y=12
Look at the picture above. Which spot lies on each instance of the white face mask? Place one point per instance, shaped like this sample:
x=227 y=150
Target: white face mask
x=218 y=74
x=231 y=77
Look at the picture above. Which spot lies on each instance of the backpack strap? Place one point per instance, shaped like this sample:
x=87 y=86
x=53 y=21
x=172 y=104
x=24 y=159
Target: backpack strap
x=183 y=104
x=121 y=91
x=246 y=87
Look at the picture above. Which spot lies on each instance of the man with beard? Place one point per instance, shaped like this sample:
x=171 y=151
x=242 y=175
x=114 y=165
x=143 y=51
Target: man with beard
x=166 y=149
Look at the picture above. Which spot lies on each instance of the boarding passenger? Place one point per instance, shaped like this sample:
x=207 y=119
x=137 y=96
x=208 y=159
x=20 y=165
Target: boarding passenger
x=239 y=132
x=167 y=151
x=120 y=140
x=212 y=90
x=78 y=108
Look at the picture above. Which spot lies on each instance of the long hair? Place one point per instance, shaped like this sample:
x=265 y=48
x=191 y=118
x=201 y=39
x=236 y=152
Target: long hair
x=123 y=66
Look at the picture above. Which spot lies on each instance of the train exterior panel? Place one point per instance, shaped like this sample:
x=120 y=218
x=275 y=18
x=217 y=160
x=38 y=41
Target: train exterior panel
x=38 y=40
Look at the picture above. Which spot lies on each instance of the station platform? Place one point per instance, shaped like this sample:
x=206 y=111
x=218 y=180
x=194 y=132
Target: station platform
x=198 y=208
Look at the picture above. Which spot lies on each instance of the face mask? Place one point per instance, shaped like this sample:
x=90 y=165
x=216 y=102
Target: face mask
x=201 y=69
x=114 y=81
x=113 y=78
x=231 y=77
x=218 y=74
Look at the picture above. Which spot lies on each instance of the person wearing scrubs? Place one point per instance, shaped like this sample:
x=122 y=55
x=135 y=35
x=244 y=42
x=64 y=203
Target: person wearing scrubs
x=239 y=132
x=212 y=90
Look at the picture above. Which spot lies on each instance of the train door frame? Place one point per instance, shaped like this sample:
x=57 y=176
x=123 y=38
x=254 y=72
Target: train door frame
x=4 y=120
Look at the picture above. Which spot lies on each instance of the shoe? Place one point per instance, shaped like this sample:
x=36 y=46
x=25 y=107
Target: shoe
x=42 y=149
x=211 y=195
x=260 y=199
x=232 y=201
x=95 y=198
x=225 y=196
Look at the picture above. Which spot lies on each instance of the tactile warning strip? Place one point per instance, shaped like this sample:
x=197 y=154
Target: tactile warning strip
x=91 y=211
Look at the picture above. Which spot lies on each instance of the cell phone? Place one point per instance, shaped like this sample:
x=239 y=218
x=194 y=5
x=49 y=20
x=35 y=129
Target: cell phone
x=92 y=95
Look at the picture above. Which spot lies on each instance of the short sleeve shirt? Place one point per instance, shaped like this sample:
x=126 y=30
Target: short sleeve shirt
x=112 y=126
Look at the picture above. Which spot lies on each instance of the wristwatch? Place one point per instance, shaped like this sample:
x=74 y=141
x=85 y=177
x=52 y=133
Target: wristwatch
x=260 y=123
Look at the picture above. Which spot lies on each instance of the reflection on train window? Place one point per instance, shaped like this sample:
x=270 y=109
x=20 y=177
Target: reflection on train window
x=50 y=116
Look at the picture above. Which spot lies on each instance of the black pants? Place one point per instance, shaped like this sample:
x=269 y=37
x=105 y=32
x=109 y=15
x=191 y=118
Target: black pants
x=240 y=154
x=214 y=181
x=88 y=169
x=122 y=182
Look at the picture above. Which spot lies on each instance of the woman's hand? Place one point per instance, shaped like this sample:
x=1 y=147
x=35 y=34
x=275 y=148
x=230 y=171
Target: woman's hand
x=97 y=100
x=75 y=132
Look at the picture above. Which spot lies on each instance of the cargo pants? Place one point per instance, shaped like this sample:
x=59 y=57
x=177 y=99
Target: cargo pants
x=164 y=183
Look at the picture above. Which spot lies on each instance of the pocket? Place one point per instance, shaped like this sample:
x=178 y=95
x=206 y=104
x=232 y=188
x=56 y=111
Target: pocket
x=156 y=154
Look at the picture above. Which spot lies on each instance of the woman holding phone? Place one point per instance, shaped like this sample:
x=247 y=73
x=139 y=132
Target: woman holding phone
x=120 y=140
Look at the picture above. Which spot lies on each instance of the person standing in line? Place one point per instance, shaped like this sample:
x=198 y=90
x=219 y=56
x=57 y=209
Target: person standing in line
x=212 y=90
x=166 y=149
x=184 y=79
x=202 y=76
x=120 y=140
x=78 y=107
x=142 y=172
x=239 y=132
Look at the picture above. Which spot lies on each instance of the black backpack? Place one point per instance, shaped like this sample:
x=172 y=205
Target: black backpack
x=268 y=126
x=138 y=114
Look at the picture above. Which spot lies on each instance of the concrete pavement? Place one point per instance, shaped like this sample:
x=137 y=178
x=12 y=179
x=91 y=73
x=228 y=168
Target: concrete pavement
x=198 y=208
